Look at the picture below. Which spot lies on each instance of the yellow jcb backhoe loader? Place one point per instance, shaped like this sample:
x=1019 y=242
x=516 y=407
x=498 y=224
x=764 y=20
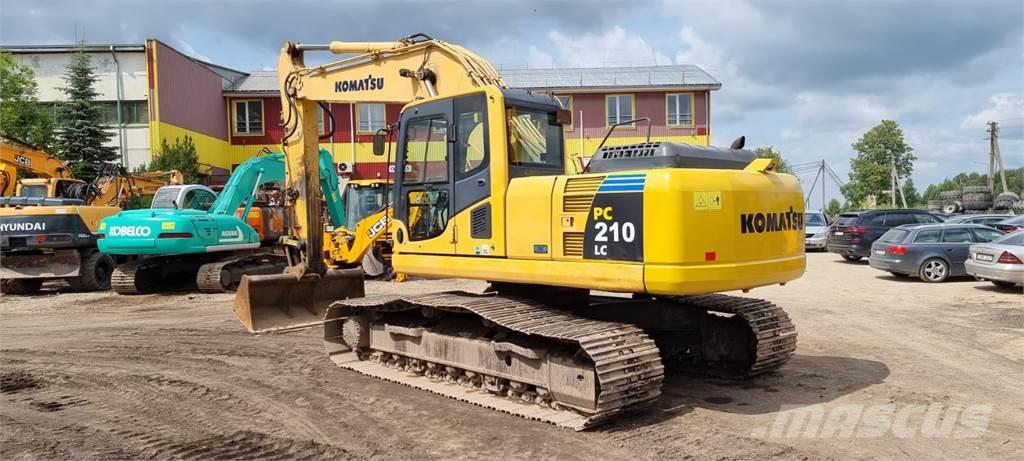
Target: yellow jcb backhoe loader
x=481 y=192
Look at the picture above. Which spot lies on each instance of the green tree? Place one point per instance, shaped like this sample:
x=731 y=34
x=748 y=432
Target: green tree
x=870 y=170
x=1014 y=180
x=82 y=135
x=21 y=115
x=833 y=209
x=911 y=194
x=181 y=156
x=770 y=152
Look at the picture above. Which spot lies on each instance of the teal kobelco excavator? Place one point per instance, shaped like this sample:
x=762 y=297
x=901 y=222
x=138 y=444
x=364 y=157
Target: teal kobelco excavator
x=192 y=239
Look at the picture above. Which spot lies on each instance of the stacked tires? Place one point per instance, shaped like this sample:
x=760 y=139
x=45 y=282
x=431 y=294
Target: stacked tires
x=951 y=201
x=1006 y=201
x=976 y=198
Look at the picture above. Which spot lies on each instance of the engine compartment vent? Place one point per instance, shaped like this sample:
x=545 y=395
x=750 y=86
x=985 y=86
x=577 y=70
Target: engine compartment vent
x=579 y=193
x=650 y=155
x=572 y=244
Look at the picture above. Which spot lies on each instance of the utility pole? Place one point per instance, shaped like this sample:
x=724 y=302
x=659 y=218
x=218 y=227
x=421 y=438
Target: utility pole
x=995 y=156
x=823 y=207
x=892 y=180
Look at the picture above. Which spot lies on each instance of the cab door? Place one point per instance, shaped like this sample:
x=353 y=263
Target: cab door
x=473 y=212
x=424 y=194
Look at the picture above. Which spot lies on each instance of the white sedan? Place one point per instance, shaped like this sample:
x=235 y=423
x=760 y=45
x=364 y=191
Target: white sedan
x=1000 y=261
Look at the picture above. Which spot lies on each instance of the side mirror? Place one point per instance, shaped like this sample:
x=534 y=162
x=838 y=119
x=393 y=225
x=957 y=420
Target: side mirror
x=563 y=117
x=378 y=144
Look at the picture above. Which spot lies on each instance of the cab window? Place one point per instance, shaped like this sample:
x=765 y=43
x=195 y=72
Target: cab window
x=426 y=160
x=470 y=135
x=198 y=199
x=535 y=139
x=426 y=151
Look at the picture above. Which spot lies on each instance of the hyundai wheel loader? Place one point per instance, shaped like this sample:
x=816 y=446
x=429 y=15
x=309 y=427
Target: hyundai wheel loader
x=599 y=282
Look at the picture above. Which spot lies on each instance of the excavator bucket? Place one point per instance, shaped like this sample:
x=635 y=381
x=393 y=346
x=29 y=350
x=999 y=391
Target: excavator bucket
x=267 y=303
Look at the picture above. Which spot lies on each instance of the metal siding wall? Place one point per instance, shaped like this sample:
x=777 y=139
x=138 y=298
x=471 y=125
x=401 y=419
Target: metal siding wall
x=190 y=94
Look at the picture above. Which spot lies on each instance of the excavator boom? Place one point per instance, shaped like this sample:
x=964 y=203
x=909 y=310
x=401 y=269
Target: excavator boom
x=398 y=72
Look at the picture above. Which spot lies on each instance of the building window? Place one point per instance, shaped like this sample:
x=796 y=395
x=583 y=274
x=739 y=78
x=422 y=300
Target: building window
x=249 y=117
x=566 y=101
x=132 y=112
x=371 y=118
x=322 y=121
x=619 y=108
x=679 y=109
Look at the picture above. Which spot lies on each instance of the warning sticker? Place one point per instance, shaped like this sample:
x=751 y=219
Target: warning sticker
x=707 y=200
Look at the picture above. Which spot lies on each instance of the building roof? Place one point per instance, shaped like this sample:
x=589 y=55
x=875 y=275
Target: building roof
x=686 y=75
x=259 y=81
x=90 y=47
x=679 y=76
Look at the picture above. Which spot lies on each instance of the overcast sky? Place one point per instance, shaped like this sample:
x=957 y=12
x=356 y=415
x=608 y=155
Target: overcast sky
x=807 y=77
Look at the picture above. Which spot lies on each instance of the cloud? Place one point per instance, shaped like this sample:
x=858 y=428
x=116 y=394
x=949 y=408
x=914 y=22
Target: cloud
x=1002 y=106
x=806 y=77
x=613 y=48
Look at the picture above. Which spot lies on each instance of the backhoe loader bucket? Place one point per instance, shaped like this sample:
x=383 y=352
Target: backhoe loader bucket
x=266 y=303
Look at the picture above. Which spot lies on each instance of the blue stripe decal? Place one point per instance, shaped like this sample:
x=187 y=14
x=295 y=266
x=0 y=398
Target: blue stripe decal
x=622 y=188
x=623 y=181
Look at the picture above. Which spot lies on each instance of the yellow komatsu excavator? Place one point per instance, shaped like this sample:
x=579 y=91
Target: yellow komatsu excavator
x=598 y=281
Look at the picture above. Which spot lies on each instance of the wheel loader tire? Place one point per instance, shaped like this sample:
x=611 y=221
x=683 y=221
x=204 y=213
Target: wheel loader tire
x=977 y=205
x=94 y=275
x=950 y=195
x=977 y=189
x=20 y=286
x=1018 y=208
x=1005 y=200
x=977 y=197
x=951 y=207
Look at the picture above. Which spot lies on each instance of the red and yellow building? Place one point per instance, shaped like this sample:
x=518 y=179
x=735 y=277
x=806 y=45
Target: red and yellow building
x=232 y=115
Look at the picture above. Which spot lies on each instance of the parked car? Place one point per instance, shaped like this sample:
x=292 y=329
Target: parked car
x=1011 y=224
x=816 y=230
x=983 y=219
x=933 y=252
x=853 y=233
x=1000 y=261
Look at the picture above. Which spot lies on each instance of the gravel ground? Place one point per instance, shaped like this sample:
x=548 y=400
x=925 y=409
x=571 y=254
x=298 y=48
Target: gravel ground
x=97 y=375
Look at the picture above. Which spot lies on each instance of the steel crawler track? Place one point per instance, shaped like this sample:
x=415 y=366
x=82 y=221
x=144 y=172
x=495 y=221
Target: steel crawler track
x=774 y=335
x=122 y=280
x=626 y=361
x=209 y=277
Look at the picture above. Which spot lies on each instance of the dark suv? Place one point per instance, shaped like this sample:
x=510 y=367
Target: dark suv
x=853 y=233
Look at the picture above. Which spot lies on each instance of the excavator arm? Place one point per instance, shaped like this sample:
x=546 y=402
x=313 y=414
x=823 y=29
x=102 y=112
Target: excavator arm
x=16 y=154
x=412 y=68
